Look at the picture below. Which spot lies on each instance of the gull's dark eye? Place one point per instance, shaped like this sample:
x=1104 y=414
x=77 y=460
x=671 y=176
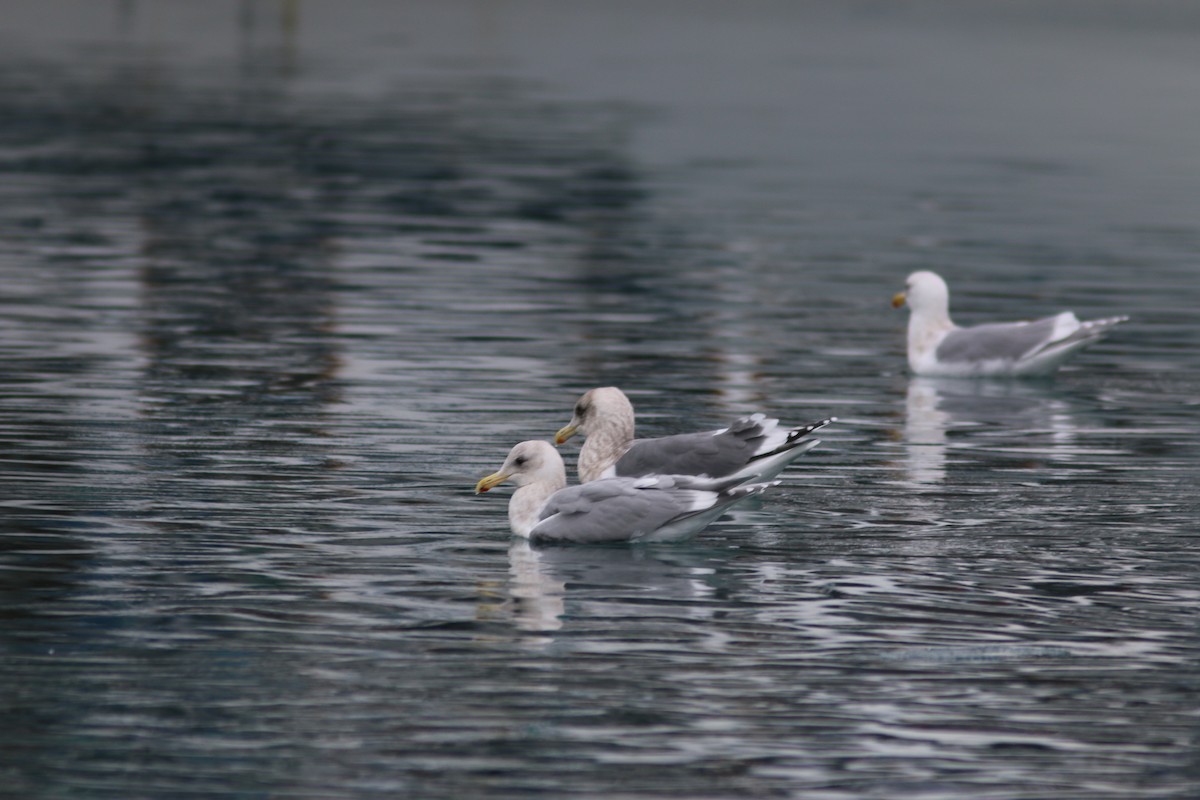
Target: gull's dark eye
x=580 y=410
x=519 y=460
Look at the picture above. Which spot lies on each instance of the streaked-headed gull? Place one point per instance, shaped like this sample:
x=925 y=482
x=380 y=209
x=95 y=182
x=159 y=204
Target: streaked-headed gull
x=752 y=448
x=655 y=508
x=939 y=348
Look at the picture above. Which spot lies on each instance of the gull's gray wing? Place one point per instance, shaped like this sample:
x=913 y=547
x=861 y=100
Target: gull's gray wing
x=610 y=510
x=622 y=509
x=1010 y=341
x=710 y=453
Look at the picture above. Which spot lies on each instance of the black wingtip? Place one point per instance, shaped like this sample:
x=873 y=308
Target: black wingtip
x=749 y=489
x=798 y=438
x=800 y=433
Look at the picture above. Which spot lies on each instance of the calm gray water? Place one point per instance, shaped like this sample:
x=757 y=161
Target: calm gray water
x=280 y=280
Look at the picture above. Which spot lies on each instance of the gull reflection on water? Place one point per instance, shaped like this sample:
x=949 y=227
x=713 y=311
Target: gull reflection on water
x=1009 y=417
x=538 y=597
x=549 y=586
x=924 y=434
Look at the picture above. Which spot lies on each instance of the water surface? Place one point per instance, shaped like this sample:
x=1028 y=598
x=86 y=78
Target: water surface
x=280 y=281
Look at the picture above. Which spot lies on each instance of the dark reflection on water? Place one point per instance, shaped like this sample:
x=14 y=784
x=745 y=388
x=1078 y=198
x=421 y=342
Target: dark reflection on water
x=278 y=282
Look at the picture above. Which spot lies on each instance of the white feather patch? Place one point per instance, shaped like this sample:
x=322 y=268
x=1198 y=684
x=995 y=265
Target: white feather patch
x=696 y=499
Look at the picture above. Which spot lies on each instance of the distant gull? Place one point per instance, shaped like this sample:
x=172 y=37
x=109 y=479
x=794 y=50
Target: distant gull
x=752 y=448
x=655 y=508
x=939 y=348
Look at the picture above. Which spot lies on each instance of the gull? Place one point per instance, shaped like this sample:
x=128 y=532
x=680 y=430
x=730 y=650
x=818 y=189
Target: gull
x=939 y=348
x=654 y=508
x=752 y=448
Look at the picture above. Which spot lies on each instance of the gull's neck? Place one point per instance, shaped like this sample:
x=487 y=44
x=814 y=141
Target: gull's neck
x=527 y=501
x=926 y=329
x=604 y=445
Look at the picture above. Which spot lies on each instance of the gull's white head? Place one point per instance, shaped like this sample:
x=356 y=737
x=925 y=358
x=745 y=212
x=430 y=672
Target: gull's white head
x=529 y=462
x=926 y=294
x=596 y=408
